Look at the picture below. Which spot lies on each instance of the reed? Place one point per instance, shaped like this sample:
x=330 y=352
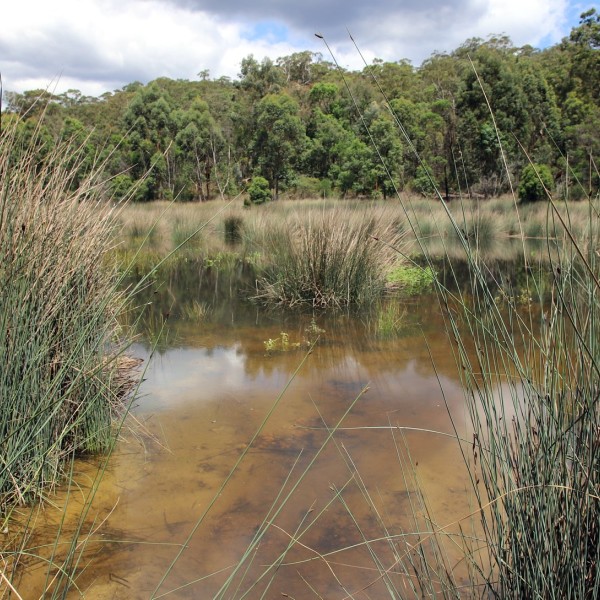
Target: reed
x=531 y=377
x=530 y=368
x=63 y=376
x=327 y=258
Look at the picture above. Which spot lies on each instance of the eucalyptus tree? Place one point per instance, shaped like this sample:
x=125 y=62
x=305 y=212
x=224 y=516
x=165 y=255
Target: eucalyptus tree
x=150 y=126
x=279 y=138
x=582 y=121
x=492 y=113
x=384 y=167
x=297 y=67
x=353 y=171
x=424 y=139
x=326 y=139
x=197 y=143
x=396 y=79
x=258 y=79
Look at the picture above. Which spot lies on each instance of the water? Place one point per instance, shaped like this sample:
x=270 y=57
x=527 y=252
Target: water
x=206 y=392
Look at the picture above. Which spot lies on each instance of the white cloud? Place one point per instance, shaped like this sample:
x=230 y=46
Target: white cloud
x=527 y=22
x=100 y=45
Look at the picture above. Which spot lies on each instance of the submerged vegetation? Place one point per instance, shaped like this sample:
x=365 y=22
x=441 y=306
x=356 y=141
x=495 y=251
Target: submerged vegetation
x=526 y=349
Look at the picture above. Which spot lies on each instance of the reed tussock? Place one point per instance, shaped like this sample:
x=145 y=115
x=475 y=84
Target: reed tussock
x=531 y=375
x=327 y=258
x=61 y=375
x=535 y=445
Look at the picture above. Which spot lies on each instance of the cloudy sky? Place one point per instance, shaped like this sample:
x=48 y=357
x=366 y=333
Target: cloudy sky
x=101 y=45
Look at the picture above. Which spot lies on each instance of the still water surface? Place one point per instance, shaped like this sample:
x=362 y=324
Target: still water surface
x=208 y=388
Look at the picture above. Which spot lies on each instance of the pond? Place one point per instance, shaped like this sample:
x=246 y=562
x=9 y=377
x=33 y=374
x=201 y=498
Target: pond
x=333 y=511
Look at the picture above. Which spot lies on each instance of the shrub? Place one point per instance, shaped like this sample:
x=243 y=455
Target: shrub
x=306 y=187
x=535 y=183
x=259 y=191
x=423 y=182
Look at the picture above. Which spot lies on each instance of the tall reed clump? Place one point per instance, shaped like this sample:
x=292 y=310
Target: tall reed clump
x=62 y=377
x=327 y=258
x=532 y=389
x=538 y=440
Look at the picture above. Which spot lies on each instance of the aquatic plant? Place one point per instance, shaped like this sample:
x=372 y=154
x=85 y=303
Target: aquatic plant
x=313 y=332
x=196 y=311
x=535 y=437
x=531 y=391
x=531 y=376
x=233 y=225
x=390 y=320
x=185 y=232
x=411 y=279
x=326 y=259
x=280 y=344
x=60 y=346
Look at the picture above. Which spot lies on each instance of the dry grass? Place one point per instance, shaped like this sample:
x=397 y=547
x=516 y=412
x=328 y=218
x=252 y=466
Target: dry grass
x=167 y=225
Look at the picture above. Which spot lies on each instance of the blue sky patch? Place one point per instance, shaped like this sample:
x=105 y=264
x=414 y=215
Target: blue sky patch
x=267 y=30
x=572 y=14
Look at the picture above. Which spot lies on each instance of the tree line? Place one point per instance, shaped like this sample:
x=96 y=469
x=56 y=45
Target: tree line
x=467 y=122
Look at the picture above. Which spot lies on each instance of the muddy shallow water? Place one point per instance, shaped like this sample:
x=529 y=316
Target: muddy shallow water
x=207 y=390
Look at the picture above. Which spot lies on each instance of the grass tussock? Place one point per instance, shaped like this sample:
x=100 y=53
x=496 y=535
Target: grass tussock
x=325 y=259
x=493 y=227
x=61 y=378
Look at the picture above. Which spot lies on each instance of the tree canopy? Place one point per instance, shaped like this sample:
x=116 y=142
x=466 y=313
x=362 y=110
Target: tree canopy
x=466 y=122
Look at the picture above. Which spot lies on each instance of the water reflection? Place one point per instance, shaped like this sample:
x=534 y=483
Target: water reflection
x=204 y=396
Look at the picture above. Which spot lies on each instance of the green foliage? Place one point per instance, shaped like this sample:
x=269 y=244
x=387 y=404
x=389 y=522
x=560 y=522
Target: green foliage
x=260 y=79
x=323 y=95
x=424 y=182
x=313 y=332
x=327 y=138
x=390 y=320
x=279 y=137
x=307 y=187
x=259 y=191
x=283 y=344
x=198 y=142
x=536 y=482
x=353 y=172
x=294 y=118
x=280 y=344
x=411 y=280
x=535 y=183
x=387 y=160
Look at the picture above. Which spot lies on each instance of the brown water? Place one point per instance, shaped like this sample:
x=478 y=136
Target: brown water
x=205 y=395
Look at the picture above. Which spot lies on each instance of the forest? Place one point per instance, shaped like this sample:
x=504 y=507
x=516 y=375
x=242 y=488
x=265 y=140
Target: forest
x=468 y=123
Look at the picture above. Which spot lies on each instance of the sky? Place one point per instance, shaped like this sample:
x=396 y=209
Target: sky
x=97 y=46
